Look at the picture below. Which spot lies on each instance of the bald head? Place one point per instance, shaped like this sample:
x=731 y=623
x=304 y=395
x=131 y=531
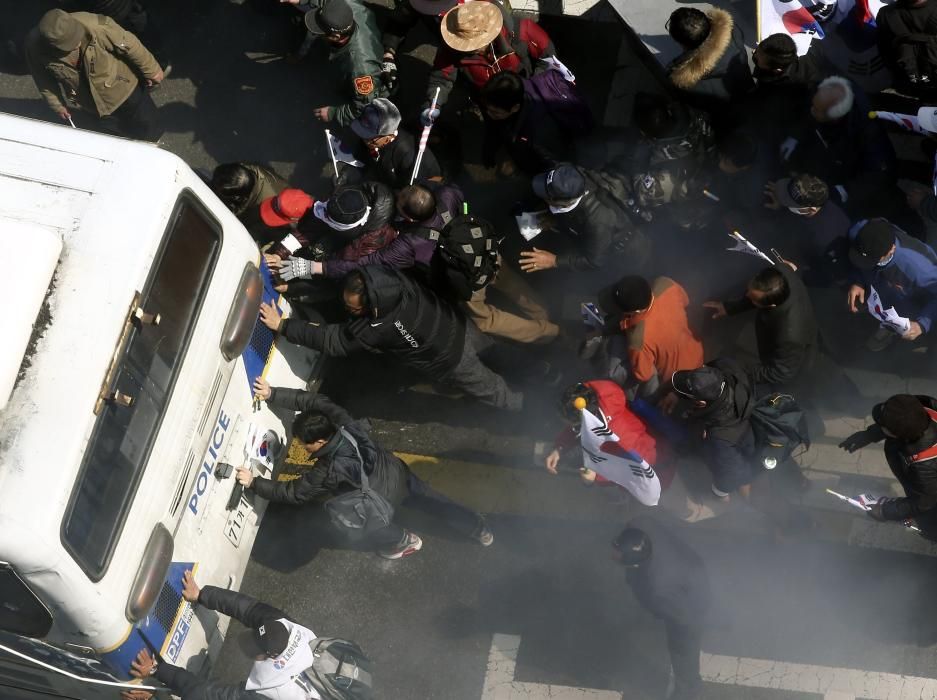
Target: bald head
x=833 y=100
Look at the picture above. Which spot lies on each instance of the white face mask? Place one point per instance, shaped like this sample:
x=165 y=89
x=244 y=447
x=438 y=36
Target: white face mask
x=883 y=263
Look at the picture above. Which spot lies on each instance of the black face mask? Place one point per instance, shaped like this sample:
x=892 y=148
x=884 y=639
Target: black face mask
x=762 y=73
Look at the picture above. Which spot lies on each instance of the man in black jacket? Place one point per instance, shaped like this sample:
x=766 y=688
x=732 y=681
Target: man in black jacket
x=908 y=424
x=670 y=581
x=907 y=36
x=723 y=397
x=710 y=40
x=604 y=241
x=338 y=468
x=785 y=325
x=280 y=647
x=393 y=314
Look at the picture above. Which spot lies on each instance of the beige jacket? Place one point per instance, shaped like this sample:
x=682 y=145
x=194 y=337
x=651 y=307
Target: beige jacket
x=112 y=60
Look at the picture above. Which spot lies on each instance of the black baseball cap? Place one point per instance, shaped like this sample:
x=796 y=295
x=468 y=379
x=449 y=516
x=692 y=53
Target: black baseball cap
x=703 y=384
x=272 y=637
x=872 y=243
x=330 y=17
x=562 y=183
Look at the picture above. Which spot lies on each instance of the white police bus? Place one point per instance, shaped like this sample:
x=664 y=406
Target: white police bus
x=130 y=344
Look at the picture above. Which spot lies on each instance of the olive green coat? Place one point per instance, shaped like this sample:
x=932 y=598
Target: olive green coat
x=357 y=66
x=112 y=60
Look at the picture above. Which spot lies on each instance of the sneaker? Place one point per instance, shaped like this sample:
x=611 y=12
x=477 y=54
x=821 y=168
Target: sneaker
x=483 y=534
x=718 y=493
x=881 y=339
x=412 y=544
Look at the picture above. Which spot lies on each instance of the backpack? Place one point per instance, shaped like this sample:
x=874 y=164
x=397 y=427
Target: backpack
x=563 y=101
x=340 y=670
x=466 y=257
x=362 y=508
x=779 y=425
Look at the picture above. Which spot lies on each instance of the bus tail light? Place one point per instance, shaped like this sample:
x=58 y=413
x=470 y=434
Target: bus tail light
x=243 y=314
x=152 y=573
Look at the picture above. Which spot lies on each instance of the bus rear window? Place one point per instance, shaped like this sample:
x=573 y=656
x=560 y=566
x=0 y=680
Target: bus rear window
x=123 y=435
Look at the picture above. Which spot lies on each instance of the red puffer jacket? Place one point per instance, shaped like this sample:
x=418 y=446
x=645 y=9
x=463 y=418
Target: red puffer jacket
x=631 y=431
x=514 y=52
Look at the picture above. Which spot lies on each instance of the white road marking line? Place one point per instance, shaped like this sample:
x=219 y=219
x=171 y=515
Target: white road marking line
x=500 y=683
x=832 y=682
x=835 y=683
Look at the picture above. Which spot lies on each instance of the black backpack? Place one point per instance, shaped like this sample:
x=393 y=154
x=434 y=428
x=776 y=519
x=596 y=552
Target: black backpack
x=779 y=425
x=363 y=508
x=340 y=670
x=466 y=257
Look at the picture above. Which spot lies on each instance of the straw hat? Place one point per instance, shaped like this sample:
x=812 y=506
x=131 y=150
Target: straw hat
x=471 y=26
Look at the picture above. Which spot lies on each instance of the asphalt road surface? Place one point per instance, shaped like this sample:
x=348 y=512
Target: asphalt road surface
x=833 y=607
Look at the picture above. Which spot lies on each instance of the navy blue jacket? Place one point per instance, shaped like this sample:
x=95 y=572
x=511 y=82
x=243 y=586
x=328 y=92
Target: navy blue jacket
x=908 y=282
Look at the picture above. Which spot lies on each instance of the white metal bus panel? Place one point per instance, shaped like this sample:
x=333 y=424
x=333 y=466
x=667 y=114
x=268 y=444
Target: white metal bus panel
x=110 y=201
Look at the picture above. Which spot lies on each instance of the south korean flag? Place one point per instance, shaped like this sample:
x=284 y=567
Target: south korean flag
x=603 y=453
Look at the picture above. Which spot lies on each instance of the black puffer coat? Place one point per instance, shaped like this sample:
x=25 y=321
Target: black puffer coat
x=787 y=334
x=404 y=319
x=604 y=235
x=337 y=468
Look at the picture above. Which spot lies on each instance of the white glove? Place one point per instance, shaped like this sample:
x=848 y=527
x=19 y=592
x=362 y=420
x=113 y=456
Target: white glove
x=429 y=116
x=787 y=148
x=295 y=268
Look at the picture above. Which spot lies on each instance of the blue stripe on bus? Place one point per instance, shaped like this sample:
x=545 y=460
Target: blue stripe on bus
x=163 y=630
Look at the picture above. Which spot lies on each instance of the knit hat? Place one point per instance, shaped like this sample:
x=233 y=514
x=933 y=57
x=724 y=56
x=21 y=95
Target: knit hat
x=703 y=384
x=801 y=191
x=330 y=17
x=61 y=31
x=379 y=118
x=472 y=26
x=562 y=183
x=871 y=244
x=287 y=207
x=347 y=205
x=903 y=416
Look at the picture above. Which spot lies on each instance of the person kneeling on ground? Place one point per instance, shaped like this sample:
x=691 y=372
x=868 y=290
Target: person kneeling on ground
x=343 y=447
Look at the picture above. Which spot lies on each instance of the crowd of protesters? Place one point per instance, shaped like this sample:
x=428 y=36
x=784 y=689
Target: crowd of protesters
x=391 y=261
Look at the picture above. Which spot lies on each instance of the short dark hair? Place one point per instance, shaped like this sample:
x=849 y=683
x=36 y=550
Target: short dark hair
x=416 y=202
x=631 y=293
x=903 y=415
x=573 y=392
x=312 y=426
x=634 y=546
x=232 y=182
x=354 y=283
x=655 y=115
x=778 y=51
x=813 y=191
x=505 y=91
x=740 y=149
x=688 y=26
x=772 y=283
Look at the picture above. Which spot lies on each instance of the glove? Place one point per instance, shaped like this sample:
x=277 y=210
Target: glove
x=857 y=441
x=788 y=147
x=875 y=511
x=295 y=268
x=429 y=116
x=389 y=73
